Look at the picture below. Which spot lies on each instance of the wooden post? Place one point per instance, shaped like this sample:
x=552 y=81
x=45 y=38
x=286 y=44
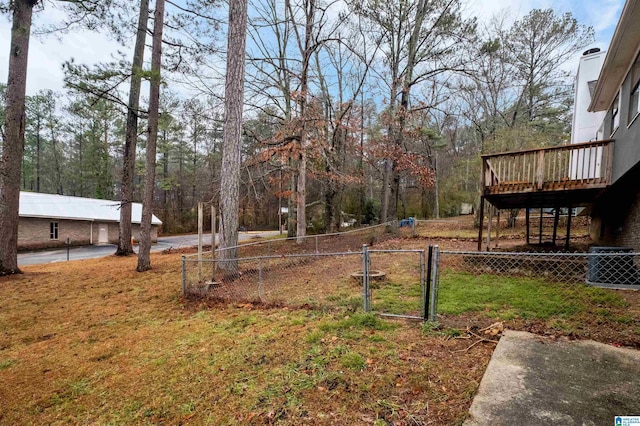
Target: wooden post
x=540 y=228
x=556 y=219
x=213 y=232
x=481 y=223
x=489 y=228
x=540 y=171
x=200 y=220
x=213 y=238
x=528 y=220
x=566 y=246
x=498 y=230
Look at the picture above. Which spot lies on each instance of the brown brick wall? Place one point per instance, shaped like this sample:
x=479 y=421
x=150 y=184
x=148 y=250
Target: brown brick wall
x=34 y=233
x=628 y=234
x=620 y=225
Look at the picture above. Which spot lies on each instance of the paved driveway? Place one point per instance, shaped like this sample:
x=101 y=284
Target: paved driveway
x=91 y=252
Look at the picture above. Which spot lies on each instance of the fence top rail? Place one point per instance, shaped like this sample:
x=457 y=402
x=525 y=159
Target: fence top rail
x=569 y=147
x=535 y=254
x=275 y=256
x=267 y=241
x=396 y=251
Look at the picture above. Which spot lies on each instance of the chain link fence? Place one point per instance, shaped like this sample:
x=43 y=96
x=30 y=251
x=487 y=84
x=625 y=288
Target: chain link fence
x=440 y=228
x=316 y=280
x=565 y=292
x=346 y=241
x=539 y=286
x=389 y=282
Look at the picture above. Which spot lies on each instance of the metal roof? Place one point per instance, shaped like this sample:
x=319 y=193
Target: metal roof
x=52 y=206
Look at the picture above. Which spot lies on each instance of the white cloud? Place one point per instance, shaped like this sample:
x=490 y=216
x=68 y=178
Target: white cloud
x=603 y=14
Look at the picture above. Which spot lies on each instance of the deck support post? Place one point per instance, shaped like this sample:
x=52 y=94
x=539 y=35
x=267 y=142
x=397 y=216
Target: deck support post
x=498 y=230
x=569 y=215
x=556 y=219
x=489 y=228
x=540 y=227
x=481 y=224
x=528 y=221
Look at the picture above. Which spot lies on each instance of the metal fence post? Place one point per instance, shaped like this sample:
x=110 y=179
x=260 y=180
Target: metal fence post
x=365 y=278
x=268 y=252
x=413 y=227
x=260 y=278
x=317 y=251
x=422 y=276
x=184 y=276
x=434 y=284
x=427 y=284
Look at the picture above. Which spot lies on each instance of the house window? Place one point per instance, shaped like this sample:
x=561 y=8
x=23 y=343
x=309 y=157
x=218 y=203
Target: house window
x=634 y=104
x=53 y=230
x=615 y=114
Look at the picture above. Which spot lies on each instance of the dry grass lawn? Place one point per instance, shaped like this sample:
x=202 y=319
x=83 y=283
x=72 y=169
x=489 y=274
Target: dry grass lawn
x=94 y=342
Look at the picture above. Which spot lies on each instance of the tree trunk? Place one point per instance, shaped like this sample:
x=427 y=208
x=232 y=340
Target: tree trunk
x=301 y=196
x=384 y=195
x=291 y=201
x=144 y=257
x=13 y=148
x=131 y=135
x=436 y=187
x=234 y=102
x=391 y=196
x=38 y=155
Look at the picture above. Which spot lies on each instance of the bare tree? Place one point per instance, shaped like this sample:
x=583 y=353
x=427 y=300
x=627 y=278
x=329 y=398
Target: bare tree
x=541 y=42
x=307 y=50
x=13 y=146
x=421 y=41
x=273 y=67
x=144 y=258
x=128 y=169
x=234 y=102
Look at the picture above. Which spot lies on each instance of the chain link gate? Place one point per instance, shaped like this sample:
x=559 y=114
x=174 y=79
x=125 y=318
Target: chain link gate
x=398 y=283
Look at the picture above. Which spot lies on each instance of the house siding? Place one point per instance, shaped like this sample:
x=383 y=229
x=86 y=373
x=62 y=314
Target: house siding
x=616 y=215
x=34 y=233
x=627 y=136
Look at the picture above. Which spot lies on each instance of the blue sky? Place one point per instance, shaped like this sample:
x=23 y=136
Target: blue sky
x=47 y=55
x=602 y=15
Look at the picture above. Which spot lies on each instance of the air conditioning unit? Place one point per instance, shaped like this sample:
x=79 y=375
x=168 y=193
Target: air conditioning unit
x=612 y=266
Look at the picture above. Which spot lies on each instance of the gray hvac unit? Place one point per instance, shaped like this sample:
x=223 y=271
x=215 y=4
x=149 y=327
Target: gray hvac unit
x=611 y=266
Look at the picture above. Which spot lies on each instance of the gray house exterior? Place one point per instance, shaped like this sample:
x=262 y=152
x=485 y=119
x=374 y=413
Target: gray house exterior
x=602 y=173
x=47 y=221
x=616 y=213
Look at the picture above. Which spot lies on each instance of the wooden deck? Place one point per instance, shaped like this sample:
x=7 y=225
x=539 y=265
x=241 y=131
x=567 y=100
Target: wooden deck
x=570 y=171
